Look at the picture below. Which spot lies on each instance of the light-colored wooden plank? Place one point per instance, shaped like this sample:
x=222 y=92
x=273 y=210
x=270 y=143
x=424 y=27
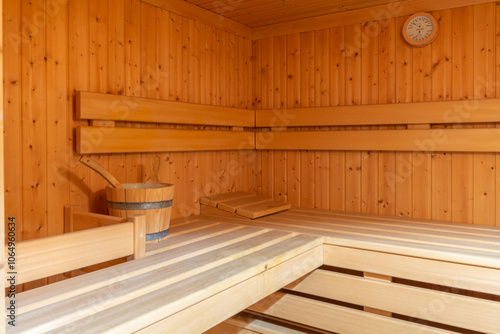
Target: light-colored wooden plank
x=98 y=245
x=77 y=221
x=455 y=310
x=218 y=249
x=443 y=273
x=123 y=108
x=435 y=140
x=215 y=199
x=93 y=140
x=266 y=326
x=302 y=264
x=262 y=209
x=395 y=9
x=333 y=317
x=172 y=293
x=234 y=204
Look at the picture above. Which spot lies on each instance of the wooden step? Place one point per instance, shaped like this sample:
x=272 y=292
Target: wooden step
x=244 y=204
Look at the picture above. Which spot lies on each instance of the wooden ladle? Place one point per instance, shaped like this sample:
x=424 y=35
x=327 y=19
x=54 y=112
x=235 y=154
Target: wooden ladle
x=154 y=165
x=87 y=161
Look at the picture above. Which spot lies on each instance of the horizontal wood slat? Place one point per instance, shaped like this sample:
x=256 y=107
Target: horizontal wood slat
x=434 y=140
x=92 y=140
x=461 y=311
x=474 y=245
x=449 y=274
x=335 y=318
x=465 y=111
x=125 y=108
x=44 y=257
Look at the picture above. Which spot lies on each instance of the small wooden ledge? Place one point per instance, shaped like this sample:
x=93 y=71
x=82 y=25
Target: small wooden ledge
x=244 y=204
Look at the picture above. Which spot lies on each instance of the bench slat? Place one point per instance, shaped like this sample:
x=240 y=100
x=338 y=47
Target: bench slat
x=335 y=318
x=370 y=241
x=248 y=292
x=437 y=272
x=251 y=278
x=437 y=306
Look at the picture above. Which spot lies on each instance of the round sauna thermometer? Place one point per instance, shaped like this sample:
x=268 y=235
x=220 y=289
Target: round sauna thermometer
x=420 y=29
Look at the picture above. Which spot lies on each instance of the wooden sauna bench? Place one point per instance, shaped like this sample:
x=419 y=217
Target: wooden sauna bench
x=383 y=274
x=203 y=273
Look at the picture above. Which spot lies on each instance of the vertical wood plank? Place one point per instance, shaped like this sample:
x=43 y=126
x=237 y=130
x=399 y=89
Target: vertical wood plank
x=322 y=99
x=462 y=89
x=133 y=165
x=79 y=77
x=267 y=157
x=190 y=90
x=369 y=95
x=116 y=71
x=337 y=98
x=442 y=54
x=387 y=94
x=2 y=161
x=280 y=102
x=34 y=125
x=353 y=97
x=293 y=94
x=58 y=118
x=12 y=135
x=307 y=92
x=404 y=93
x=175 y=94
x=484 y=62
x=98 y=72
x=163 y=66
x=421 y=163
x=497 y=94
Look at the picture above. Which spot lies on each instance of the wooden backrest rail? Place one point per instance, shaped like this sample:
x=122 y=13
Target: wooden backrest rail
x=48 y=256
x=107 y=107
x=133 y=109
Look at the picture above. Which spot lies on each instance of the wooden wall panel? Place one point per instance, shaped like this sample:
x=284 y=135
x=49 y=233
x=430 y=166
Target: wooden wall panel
x=370 y=63
x=54 y=48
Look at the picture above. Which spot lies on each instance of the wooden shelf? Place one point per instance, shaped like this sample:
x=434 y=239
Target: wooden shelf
x=245 y=204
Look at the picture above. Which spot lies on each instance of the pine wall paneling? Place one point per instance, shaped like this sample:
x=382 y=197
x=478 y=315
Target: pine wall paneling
x=54 y=48
x=369 y=63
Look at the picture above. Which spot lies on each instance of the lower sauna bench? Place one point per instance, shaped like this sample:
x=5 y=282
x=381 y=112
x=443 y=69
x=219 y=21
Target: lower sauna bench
x=382 y=275
x=298 y=271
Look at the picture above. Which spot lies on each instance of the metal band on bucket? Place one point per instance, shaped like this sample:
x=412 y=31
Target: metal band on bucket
x=139 y=205
x=156 y=235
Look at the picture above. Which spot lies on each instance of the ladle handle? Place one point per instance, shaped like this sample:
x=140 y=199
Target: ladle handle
x=86 y=160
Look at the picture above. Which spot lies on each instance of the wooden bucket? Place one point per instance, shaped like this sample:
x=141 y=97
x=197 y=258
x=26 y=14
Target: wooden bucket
x=152 y=200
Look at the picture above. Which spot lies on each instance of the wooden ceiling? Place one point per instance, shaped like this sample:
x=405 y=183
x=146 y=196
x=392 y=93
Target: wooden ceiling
x=259 y=13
